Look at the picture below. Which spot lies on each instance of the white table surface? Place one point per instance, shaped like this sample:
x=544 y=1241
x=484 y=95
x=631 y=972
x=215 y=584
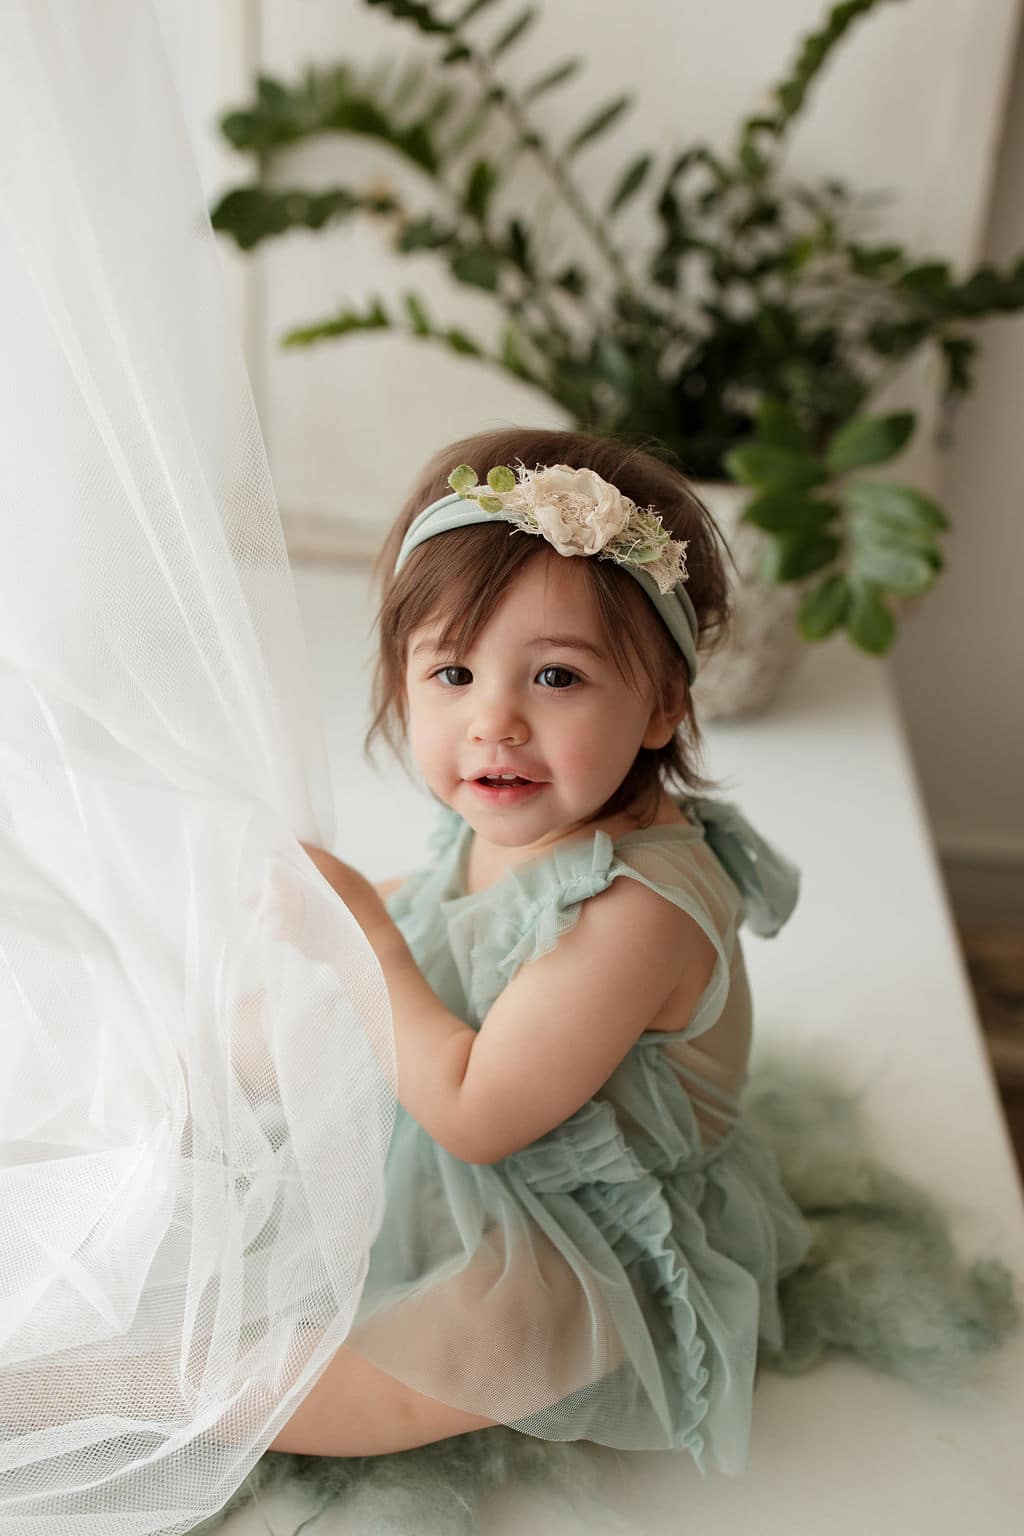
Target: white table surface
x=868 y=966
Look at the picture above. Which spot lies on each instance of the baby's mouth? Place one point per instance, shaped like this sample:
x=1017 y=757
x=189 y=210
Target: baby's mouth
x=505 y=789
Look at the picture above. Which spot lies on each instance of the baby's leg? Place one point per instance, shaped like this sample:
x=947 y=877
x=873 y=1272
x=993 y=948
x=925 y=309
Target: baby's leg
x=355 y=1409
x=512 y=1332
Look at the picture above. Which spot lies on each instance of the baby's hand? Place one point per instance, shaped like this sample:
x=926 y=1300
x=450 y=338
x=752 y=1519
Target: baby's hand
x=355 y=890
x=289 y=902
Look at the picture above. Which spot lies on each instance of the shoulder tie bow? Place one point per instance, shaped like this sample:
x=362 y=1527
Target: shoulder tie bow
x=769 y=883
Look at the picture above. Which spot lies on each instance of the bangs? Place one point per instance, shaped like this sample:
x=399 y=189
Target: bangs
x=456 y=581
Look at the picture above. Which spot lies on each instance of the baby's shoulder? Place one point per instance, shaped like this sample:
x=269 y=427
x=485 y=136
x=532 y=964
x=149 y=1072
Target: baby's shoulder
x=581 y=898
x=633 y=914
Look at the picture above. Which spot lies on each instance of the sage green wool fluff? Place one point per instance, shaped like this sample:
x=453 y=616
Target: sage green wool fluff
x=883 y=1279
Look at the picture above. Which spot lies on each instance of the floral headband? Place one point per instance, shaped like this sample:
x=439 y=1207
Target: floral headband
x=578 y=513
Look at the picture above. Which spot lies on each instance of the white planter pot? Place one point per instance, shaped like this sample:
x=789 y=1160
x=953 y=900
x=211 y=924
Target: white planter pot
x=744 y=673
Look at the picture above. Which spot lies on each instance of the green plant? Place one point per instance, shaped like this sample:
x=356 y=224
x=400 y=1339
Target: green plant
x=749 y=340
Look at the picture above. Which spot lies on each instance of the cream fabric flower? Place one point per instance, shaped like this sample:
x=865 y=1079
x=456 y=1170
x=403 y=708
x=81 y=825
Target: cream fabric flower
x=578 y=512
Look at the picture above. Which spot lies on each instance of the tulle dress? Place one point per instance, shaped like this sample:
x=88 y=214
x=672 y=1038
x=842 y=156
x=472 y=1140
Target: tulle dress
x=611 y=1281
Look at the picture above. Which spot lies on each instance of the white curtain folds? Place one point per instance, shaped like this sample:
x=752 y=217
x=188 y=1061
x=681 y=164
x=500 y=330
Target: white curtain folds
x=194 y=1114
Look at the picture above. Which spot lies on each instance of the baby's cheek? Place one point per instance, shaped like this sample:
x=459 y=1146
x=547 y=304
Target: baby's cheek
x=428 y=746
x=582 y=759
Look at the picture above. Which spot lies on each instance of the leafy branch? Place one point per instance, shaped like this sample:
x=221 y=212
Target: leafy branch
x=762 y=321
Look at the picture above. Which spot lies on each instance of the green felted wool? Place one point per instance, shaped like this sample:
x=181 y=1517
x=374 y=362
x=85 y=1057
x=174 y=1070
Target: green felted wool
x=882 y=1279
x=434 y=1490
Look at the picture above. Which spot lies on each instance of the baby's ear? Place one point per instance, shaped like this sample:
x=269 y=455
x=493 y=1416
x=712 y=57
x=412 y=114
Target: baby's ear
x=667 y=714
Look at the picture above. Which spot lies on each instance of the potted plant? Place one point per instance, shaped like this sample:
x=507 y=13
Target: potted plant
x=750 y=340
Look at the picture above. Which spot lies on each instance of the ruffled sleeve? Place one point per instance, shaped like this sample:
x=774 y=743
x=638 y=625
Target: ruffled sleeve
x=767 y=881
x=523 y=915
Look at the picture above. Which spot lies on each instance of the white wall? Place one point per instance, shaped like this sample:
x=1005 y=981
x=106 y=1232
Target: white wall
x=960 y=664
x=914 y=103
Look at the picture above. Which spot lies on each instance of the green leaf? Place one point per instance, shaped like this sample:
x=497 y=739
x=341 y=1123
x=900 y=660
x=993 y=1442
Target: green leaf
x=868 y=440
x=514 y=32
x=420 y=15
x=894 y=503
x=776 y=469
x=787 y=512
x=897 y=338
x=871 y=543
x=778 y=423
x=601 y=121
x=792 y=556
x=871 y=261
x=815 y=50
x=252 y=214
x=573 y=280
x=501 y=478
x=798 y=253
x=483 y=178
x=423 y=234
x=511 y=357
x=417 y=314
x=469 y=129
x=930 y=279
x=898 y=570
x=753 y=162
x=824 y=609
x=551 y=79
x=375 y=319
x=869 y=622
x=330 y=100
x=517 y=246
x=462 y=477
x=460 y=342
x=439 y=107
x=480 y=268
x=629 y=184
x=959 y=353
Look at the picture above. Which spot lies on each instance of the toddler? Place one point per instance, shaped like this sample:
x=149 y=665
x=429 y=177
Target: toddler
x=582 y=1238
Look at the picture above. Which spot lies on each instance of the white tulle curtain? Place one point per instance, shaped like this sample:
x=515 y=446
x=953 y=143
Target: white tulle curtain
x=194 y=1113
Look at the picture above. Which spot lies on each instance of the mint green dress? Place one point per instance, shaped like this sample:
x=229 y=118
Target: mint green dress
x=613 y=1280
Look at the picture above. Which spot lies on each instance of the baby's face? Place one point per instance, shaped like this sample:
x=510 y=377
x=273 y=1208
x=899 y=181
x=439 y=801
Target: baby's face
x=538 y=696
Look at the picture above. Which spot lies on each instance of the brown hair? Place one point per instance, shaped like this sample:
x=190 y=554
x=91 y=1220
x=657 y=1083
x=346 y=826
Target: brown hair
x=464 y=574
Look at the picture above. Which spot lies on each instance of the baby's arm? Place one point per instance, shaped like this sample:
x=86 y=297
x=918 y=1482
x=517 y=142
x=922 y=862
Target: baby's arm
x=565 y=1021
x=556 y=1033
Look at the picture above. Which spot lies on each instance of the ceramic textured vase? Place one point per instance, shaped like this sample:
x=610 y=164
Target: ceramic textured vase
x=746 y=670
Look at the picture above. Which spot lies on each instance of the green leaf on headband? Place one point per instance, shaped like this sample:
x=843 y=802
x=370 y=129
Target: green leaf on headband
x=491 y=504
x=501 y=478
x=462 y=478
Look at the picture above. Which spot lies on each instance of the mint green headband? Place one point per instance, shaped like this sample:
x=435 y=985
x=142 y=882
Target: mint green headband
x=674 y=608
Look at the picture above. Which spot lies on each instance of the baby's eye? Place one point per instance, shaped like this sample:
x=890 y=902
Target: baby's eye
x=454 y=677
x=557 y=677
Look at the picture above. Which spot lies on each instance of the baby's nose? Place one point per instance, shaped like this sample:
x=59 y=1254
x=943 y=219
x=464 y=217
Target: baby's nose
x=498 y=724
